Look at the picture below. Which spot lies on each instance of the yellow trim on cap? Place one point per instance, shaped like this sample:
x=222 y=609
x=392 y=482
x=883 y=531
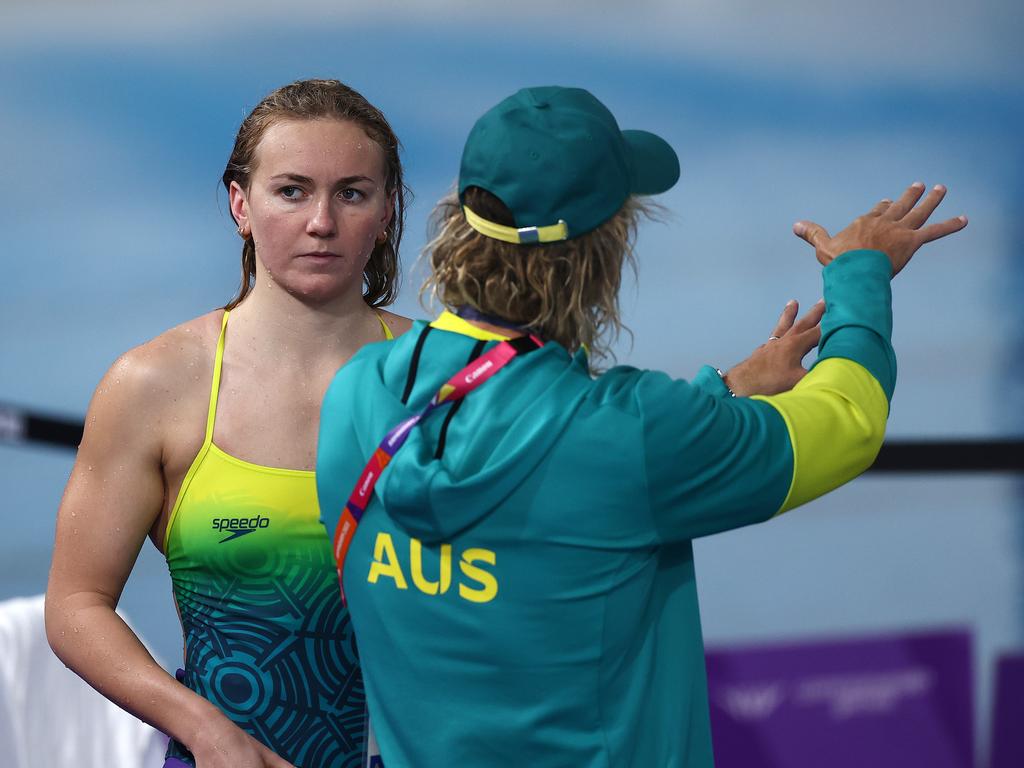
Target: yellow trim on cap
x=523 y=235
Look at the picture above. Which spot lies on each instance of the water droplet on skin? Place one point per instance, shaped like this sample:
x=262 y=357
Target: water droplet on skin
x=76 y=630
x=89 y=467
x=74 y=514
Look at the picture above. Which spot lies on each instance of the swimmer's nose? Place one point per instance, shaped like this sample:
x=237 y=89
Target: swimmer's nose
x=322 y=222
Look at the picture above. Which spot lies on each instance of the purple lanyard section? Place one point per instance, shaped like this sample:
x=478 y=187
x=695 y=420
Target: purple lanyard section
x=457 y=387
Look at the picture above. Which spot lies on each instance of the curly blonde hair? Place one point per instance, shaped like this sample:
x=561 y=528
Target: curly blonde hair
x=566 y=291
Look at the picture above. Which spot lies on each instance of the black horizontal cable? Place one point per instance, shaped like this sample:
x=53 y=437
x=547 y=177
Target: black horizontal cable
x=1001 y=455
x=18 y=425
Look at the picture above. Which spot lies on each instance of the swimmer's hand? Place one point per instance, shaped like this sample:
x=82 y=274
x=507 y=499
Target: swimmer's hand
x=777 y=365
x=895 y=228
x=224 y=745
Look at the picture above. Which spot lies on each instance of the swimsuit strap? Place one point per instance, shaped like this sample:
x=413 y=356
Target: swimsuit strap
x=387 y=331
x=215 y=387
x=219 y=360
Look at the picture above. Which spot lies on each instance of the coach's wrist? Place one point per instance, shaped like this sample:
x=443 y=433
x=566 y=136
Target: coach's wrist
x=724 y=376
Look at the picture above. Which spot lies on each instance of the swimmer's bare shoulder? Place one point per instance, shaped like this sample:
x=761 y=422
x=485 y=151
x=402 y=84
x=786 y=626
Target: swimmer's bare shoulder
x=145 y=424
x=396 y=323
x=165 y=382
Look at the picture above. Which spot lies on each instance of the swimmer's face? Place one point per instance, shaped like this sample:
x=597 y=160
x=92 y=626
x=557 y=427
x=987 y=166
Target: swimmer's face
x=315 y=206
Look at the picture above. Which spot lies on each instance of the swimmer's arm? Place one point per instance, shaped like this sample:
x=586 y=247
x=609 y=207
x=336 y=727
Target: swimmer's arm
x=113 y=497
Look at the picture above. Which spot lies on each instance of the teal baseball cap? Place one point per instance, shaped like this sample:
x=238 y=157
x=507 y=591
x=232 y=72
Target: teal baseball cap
x=558 y=160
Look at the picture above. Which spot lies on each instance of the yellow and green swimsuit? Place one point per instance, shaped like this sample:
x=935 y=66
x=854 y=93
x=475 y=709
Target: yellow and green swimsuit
x=266 y=637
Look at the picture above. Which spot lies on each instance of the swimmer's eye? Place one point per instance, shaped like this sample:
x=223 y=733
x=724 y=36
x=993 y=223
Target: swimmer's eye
x=291 y=192
x=352 y=195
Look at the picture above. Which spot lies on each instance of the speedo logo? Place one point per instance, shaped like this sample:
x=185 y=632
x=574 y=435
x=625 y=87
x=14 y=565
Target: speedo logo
x=239 y=526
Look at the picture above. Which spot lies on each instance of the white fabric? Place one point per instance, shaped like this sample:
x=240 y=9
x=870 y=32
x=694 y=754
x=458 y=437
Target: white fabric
x=49 y=717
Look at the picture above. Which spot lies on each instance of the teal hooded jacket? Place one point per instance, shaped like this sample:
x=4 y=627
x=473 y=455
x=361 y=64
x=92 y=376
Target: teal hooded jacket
x=522 y=584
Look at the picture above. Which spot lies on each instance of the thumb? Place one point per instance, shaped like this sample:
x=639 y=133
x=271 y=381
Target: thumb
x=815 y=234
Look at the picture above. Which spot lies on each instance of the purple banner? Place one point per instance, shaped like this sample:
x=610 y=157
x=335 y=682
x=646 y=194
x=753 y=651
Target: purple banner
x=1008 y=714
x=885 y=702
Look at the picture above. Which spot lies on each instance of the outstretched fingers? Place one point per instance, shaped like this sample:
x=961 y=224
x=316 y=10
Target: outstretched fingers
x=808 y=328
x=897 y=229
x=815 y=234
x=947 y=227
x=921 y=213
x=907 y=201
x=785 y=319
x=811 y=318
x=880 y=207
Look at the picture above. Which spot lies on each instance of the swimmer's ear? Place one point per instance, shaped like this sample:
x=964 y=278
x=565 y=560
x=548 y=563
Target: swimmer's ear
x=238 y=203
x=389 y=211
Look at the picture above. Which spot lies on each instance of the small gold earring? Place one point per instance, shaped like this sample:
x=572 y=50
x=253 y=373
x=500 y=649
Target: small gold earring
x=382 y=237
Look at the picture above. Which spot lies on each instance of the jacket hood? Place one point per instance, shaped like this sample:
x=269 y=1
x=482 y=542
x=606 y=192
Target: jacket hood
x=500 y=434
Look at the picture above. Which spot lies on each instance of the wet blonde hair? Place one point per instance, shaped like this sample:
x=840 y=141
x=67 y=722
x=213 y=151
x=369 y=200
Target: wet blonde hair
x=311 y=100
x=567 y=291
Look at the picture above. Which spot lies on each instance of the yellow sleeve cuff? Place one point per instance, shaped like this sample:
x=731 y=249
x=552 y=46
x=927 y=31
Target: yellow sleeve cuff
x=836 y=420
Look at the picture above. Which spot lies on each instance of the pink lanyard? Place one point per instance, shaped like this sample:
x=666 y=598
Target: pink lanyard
x=457 y=387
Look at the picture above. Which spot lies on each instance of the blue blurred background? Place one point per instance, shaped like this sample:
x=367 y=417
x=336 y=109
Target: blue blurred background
x=117 y=122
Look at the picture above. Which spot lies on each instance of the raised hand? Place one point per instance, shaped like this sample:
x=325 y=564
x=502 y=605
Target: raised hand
x=895 y=228
x=776 y=366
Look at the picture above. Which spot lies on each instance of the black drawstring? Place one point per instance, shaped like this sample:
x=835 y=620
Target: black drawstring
x=415 y=364
x=478 y=349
